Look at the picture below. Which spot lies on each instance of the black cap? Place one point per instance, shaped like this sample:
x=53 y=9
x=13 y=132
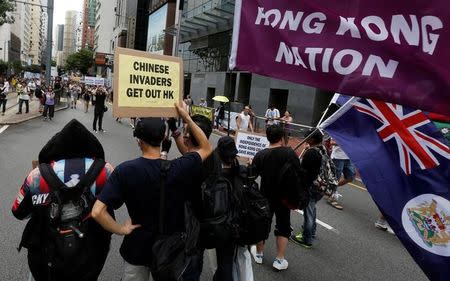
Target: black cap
x=226 y=147
x=150 y=130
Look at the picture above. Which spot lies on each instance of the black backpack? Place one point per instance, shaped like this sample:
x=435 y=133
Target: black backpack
x=171 y=252
x=67 y=216
x=293 y=193
x=220 y=210
x=255 y=215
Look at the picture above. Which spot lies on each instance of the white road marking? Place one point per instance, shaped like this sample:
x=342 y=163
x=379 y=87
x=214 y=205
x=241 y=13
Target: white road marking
x=2 y=129
x=327 y=226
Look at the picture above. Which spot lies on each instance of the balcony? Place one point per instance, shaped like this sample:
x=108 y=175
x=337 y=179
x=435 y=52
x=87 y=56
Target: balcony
x=208 y=18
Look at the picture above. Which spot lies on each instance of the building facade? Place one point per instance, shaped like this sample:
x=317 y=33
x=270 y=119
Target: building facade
x=104 y=26
x=37 y=38
x=88 y=24
x=59 y=37
x=70 y=34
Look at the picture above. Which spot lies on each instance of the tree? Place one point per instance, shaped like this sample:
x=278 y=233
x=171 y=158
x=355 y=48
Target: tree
x=16 y=66
x=81 y=60
x=6 y=6
x=3 y=67
x=53 y=63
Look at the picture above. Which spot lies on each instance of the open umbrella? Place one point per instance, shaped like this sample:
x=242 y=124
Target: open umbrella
x=221 y=98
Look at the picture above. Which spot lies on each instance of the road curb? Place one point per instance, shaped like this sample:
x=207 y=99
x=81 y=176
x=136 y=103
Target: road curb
x=30 y=118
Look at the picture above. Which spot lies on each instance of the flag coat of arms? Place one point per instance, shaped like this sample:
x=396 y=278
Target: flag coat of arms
x=404 y=160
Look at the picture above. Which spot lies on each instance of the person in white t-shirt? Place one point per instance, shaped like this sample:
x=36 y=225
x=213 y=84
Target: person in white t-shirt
x=345 y=168
x=203 y=103
x=243 y=121
x=272 y=115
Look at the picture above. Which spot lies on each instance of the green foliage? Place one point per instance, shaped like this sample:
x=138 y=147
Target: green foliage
x=6 y=6
x=81 y=61
x=33 y=68
x=53 y=63
x=3 y=67
x=16 y=66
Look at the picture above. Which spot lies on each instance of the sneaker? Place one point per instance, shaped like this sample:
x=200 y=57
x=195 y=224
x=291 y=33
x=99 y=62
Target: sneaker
x=45 y=118
x=102 y=131
x=381 y=224
x=19 y=113
x=258 y=257
x=298 y=239
x=389 y=230
x=333 y=201
x=280 y=264
x=95 y=131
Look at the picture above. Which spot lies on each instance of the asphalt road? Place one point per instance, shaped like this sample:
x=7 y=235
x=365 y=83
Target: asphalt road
x=348 y=246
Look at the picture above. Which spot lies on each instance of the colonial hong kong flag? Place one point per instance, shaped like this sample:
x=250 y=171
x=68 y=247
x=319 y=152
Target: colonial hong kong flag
x=404 y=160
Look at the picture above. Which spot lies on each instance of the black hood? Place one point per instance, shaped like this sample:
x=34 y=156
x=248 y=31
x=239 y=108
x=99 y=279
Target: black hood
x=73 y=141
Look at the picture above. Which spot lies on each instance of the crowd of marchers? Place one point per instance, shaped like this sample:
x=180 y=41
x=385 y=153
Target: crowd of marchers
x=204 y=201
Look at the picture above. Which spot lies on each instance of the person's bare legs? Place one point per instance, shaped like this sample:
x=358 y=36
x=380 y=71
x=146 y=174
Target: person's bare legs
x=282 y=243
x=260 y=247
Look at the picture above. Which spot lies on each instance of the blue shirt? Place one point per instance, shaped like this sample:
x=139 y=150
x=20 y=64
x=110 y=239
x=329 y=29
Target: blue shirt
x=136 y=183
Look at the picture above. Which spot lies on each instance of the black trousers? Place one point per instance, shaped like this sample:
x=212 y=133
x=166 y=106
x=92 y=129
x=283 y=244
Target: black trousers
x=50 y=109
x=98 y=115
x=27 y=108
x=225 y=257
x=3 y=103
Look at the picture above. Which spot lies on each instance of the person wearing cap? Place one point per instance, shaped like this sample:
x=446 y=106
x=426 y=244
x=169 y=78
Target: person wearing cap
x=136 y=183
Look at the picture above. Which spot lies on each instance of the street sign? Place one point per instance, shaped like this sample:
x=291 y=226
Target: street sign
x=146 y=85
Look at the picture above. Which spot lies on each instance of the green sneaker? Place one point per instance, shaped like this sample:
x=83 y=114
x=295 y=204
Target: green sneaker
x=298 y=239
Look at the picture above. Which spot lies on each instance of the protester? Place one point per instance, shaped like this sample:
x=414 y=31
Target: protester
x=49 y=107
x=39 y=94
x=125 y=186
x=32 y=87
x=4 y=91
x=345 y=168
x=267 y=163
x=48 y=260
x=24 y=97
x=98 y=100
x=286 y=120
x=86 y=98
x=311 y=165
x=243 y=121
x=220 y=115
x=76 y=91
x=272 y=115
x=203 y=102
x=58 y=86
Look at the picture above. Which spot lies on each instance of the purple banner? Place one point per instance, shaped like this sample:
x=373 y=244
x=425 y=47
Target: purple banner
x=396 y=51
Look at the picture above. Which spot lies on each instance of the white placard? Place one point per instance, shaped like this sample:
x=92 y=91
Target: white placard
x=249 y=144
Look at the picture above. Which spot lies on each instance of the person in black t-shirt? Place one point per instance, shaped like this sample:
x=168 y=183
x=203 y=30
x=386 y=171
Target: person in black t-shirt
x=267 y=163
x=99 y=108
x=311 y=164
x=136 y=183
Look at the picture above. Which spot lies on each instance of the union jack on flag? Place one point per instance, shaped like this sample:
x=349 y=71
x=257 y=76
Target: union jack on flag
x=407 y=129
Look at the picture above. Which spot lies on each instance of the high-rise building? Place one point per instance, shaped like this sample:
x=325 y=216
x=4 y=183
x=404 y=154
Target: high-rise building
x=104 y=21
x=70 y=34
x=36 y=33
x=88 y=22
x=125 y=24
x=59 y=37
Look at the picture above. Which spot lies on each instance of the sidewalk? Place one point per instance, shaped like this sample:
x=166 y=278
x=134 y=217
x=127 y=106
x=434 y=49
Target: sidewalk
x=12 y=106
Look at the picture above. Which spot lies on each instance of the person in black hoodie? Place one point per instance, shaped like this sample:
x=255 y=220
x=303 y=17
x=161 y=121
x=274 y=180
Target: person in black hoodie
x=38 y=201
